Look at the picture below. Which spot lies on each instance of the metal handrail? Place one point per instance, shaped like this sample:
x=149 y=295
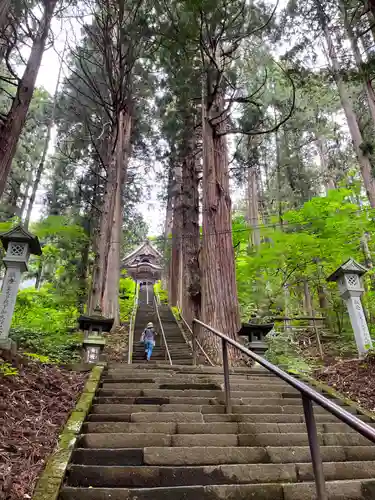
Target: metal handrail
x=308 y=396
x=194 y=339
x=132 y=325
x=162 y=332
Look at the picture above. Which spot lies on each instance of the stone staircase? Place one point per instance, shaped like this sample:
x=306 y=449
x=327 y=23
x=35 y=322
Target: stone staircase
x=179 y=350
x=160 y=432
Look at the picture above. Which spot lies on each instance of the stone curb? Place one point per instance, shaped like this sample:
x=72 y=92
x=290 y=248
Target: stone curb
x=49 y=483
x=321 y=387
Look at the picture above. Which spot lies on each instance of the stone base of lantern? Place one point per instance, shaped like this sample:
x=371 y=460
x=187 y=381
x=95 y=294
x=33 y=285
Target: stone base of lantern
x=8 y=345
x=92 y=348
x=259 y=347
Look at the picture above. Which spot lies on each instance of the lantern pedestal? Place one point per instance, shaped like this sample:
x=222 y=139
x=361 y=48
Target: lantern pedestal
x=92 y=348
x=19 y=244
x=348 y=279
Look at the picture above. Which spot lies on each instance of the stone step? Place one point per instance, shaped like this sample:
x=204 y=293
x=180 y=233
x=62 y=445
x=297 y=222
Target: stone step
x=108 y=456
x=157 y=376
x=200 y=369
x=210 y=418
x=212 y=428
x=156 y=477
x=141 y=440
x=337 y=490
x=195 y=400
x=136 y=385
x=174 y=456
x=211 y=455
x=205 y=409
x=189 y=393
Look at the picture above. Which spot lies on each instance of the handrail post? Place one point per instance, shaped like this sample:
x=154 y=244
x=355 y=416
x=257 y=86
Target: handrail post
x=168 y=355
x=316 y=457
x=194 y=342
x=228 y=401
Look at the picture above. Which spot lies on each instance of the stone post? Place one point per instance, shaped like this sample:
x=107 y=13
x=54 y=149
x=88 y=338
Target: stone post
x=348 y=279
x=19 y=244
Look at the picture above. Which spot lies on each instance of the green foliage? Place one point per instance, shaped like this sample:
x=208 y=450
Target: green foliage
x=163 y=294
x=41 y=322
x=7 y=370
x=126 y=298
x=284 y=350
x=38 y=357
x=313 y=242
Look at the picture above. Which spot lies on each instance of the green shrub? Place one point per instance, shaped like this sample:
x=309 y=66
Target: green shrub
x=41 y=323
x=126 y=298
x=163 y=294
x=7 y=370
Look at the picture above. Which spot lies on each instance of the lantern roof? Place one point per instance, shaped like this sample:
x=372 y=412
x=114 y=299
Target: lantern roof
x=349 y=267
x=21 y=235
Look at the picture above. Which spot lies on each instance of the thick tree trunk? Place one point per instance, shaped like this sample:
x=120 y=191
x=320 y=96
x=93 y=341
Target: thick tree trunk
x=4 y=11
x=351 y=118
x=371 y=6
x=47 y=140
x=167 y=231
x=103 y=236
x=191 y=300
x=25 y=197
x=367 y=85
x=10 y=131
x=174 y=277
x=253 y=206
x=327 y=174
x=307 y=300
x=219 y=289
x=111 y=285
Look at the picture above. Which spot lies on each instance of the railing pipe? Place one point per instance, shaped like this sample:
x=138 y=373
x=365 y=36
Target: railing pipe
x=168 y=355
x=132 y=325
x=308 y=396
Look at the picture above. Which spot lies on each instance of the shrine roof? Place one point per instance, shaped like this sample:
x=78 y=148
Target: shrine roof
x=146 y=248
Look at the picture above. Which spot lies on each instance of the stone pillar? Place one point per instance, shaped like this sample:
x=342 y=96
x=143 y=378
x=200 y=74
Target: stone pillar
x=19 y=244
x=7 y=303
x=348 y=279
x=359 y=324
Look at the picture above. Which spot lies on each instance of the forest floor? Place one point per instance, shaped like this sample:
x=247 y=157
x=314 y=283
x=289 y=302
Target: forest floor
x=353 y=378
x=35 y=402
x=116 y=348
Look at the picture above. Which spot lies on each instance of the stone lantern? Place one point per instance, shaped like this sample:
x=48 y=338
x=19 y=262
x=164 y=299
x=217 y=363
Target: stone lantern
x=256 y=333
x=19 y=245
x=348 y=278
x=94 y=328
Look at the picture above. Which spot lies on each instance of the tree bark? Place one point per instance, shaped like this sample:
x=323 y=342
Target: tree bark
x=253 y=206
x=219 y=289
x=351 y=118
x=110 y=302
x=103 y=236
x=10 y=131
x=168 y=230
x=174 y=277
x=4 y=11
x=327 y=175
x=367 y=85
x=191 y=300
x=42 y=162
x=307 y=300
